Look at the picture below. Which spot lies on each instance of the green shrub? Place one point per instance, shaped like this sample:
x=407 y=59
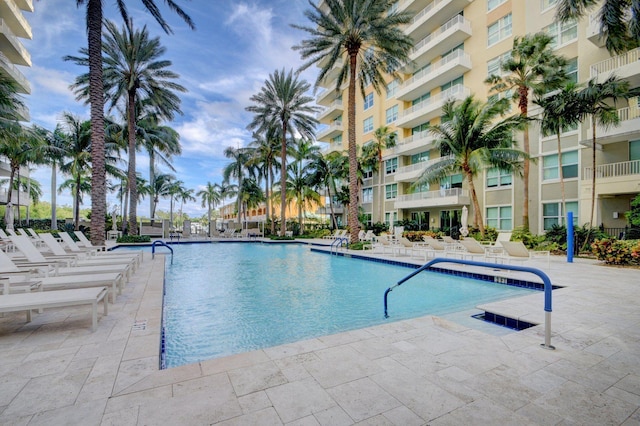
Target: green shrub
x=279 y=238
x=134 y=239
x=415 y=236
x=617 y=252
x=490 y=234
x=378 y=228
x=360 y=245
x=529 y=240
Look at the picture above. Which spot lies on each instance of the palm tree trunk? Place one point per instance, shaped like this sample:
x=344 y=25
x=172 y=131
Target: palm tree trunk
x=239 y=197
x=209 y=219
x=12 y=176
x=283 y=180
x=76 y=206
x=524 y=105
x=124 y=212
x=54 y=216
x=354 y=226
x=152 y=178
x=96 y=99
x=266 y=193
x=477 y=215
x=593 y=172
x=270 y=201
x=333 y=215
x=133 y=183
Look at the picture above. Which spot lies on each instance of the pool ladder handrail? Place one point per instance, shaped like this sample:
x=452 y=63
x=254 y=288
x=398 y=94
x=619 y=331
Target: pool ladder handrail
x=545 y=279
x=160 y=243
x=339 y=242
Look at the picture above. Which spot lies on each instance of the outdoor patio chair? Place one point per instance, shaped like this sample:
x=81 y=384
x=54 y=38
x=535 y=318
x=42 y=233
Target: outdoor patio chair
x=517 y=251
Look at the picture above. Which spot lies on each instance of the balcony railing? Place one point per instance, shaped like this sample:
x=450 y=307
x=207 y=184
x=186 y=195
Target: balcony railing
x=625 y=168
x=433 y=70
x=456 y=20
x=456 y=90
x=432 y=195
x=421 y=165
x=616 y=62
x=424 y=11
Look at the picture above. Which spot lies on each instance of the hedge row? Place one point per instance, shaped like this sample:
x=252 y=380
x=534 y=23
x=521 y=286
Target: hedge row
x=617 y=252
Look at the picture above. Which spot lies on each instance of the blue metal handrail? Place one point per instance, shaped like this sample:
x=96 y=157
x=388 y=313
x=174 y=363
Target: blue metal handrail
x=339 y=242
x=545 y=279
x=160 y=243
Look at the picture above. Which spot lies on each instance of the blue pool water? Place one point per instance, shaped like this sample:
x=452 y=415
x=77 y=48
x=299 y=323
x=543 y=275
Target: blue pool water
x=223 y=299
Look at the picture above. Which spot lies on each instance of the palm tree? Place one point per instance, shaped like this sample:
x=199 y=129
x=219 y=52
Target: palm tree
x=619 y=24
x=325 y=171
x=96 y=100
x=282 y=103
x=560 y=112
x=594 y=101
x=133 y=70
x=370 y=34
x=161 y=188
x=174 y=191
x=240 y=162
x=10 y=102
x=532 y=67
x=384 y=139
x=210 y=196
x=251 y=195
x=475 y=140
x=265 y=152
x=55 y=155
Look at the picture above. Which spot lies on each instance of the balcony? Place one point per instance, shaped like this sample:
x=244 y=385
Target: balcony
x=329 y=80
x=332 y=111
x=441 y=198
x=22 y=84
x=445 y=38
x=627 y=129
x=615 y=178
x=332 y=147
x=11 y=46
x=594 y=35
x=14 y=19
x=625 y=66
x=428 y=19
x=446 y=69
x=414 y=6
x=431 y=108
x=26 y=5
x=331 y=131
x=326 y=210
x=414 y=171
x=414 y=144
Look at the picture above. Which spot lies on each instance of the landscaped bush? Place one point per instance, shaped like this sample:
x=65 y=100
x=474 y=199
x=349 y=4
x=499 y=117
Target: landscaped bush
x=416 y=236
x=490 y=234
x=134 y=239
x=529 y=240
x=378 y=228
x=360 y=245
x=617 y=252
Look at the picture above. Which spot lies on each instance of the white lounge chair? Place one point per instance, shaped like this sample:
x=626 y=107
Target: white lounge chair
x=55 y=299
x=86 y=243
x=473 y=248
x=123 y=256
x=517 y=251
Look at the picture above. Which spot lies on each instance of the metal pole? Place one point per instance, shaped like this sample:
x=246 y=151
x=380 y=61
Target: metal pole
x=569 y=237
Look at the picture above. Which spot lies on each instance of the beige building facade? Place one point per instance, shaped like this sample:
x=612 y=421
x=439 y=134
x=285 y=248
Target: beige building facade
x=457 y=45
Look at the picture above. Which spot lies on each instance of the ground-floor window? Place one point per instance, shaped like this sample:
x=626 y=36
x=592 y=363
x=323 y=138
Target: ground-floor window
x=421 y=219
x=367 y=219
x=500 y=218
x=552 y=213
x=367 y=195
x=389 y=219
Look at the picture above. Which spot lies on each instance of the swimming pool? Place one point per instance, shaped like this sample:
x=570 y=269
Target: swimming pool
x=222 y=299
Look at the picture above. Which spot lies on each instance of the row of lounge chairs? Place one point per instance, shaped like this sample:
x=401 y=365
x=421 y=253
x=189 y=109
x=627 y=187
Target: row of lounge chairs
x=38 y=272
x=502 y=250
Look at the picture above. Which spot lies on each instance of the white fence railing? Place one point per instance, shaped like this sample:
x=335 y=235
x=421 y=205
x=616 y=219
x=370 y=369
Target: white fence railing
x=430 y=195
x=625 y=168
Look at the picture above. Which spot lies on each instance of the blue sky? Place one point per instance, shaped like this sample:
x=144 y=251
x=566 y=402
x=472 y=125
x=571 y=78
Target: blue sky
x=222 y=63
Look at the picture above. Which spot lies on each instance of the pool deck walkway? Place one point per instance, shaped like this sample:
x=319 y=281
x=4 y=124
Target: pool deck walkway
x=448 y=370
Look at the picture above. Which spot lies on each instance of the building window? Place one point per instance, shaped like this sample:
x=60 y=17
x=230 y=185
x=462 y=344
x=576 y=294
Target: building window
x=550 y=169
x=453 y=83
x=634 y=150
x=453 y=181
x=391 y=191
x=368 y=101
x=499 y=30
x=422 y=98
x=337 y=139
x=391 y=165
x=492 y=4
x=547 y=4
x=500 y=218
x=420 y=128
x=562 y=33
x=367 y=220
x=392 y=88
x=367 y=172
x=494 y=66
x=552 y=214
x=497 y=177
x=367 y=195
x=368 y=125
x=421 y=156
x=572 y=70
x=391 y=114
x=389 y=219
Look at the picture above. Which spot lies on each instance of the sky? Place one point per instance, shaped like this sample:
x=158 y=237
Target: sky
x=234 y=48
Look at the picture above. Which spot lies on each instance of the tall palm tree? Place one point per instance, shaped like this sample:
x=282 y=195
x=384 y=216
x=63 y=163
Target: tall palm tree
x=532 y=67
x=283 y=103
x=237 y=168
x=619 y=20
x=161 y=188
x=384 y=139
x=251 y=195
x=266 y=149
x=55 y=155
x=598 y=101
x=174 y=191
x=133 y=70
x=559 y=112
x=94 y=17
x=370 y=34
x=210 y=196
x=10 y=101
x=326 y=171
x=471 y=133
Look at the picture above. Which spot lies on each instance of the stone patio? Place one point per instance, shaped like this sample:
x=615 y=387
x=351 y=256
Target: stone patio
x=450 y=370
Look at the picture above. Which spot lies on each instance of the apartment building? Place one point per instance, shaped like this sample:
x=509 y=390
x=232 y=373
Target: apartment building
x=13 y=55
x=458 y=43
